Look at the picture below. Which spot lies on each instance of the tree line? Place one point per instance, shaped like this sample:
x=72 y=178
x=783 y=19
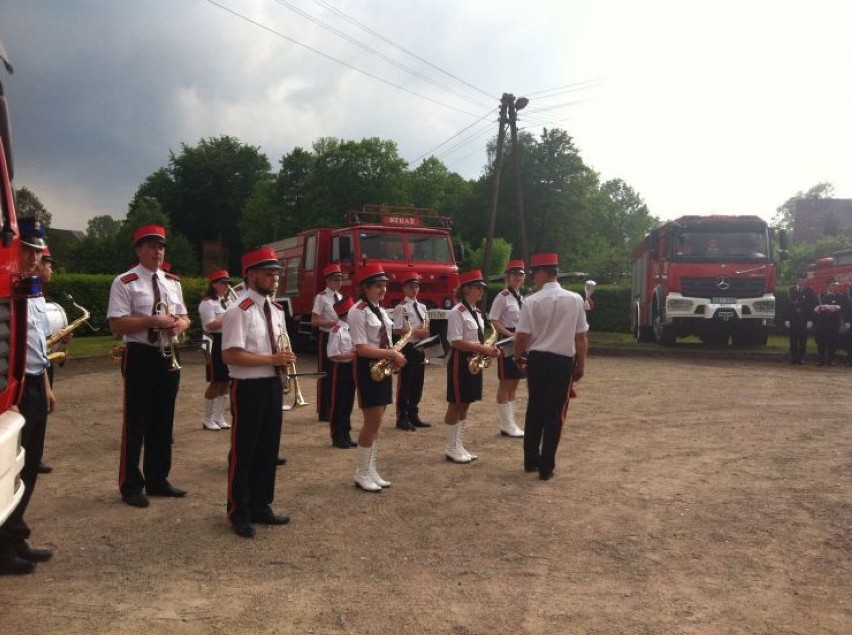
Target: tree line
x=226 y=191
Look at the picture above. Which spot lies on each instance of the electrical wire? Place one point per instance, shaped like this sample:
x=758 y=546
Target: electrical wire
x=445 y=141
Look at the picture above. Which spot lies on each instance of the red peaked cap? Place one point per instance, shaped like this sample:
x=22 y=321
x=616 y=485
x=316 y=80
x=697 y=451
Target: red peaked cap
x=411 y=277
x=472 y=277
x=330 y=270
x=515 y=266
x=219 y=274
x=544 y=260
x=150 y=232
x=372 y=273
x=342 y=307
x=263 y=258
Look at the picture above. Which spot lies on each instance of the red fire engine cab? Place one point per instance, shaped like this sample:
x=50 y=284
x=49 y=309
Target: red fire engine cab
x=838 y=266
x=13 y=323
x=710 y=276
x=401 y=239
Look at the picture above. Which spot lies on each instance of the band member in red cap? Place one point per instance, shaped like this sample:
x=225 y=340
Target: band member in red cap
x=370 y=329
x=147 y=309
x=45 y=273
x=504 y=314
x=324 y=318
x=409 y=384
x=550 y=341
x=252 y=332
x=341 y=354
x=211 y=310
x=465 y=333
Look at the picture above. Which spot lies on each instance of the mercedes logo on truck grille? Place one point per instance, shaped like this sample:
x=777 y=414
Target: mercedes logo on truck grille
x=723 y=283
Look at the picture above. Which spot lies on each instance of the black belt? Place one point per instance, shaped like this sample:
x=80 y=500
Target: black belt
x=548 y=354
x=41 y=374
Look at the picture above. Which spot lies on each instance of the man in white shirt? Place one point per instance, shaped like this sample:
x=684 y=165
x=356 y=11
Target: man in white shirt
x=409 y=383
x=551 y=343
x=324 y=318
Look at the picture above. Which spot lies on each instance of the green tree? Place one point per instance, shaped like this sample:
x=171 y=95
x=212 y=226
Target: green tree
x=103 y=226
x=783 y=218
x=28 y=205
x=501 y=251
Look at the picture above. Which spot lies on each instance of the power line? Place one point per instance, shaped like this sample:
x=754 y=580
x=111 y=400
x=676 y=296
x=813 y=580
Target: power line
x=377 y=53
x=374 y=33
x=583 y=85
x=334 y=59
x=445 y=141
x=463 y=142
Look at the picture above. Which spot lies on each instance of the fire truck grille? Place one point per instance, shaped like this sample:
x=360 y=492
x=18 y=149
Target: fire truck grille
x=709 y=287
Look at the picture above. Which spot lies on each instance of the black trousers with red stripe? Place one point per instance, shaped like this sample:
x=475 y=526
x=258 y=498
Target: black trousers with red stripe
x=150 y=390
x=549 y=383
x=342 y=399
x=409 y=384
x=323 y=383
x=255 y=437
x=33 y=407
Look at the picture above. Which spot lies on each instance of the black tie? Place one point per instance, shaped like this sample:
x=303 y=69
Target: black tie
x=152 y=334
x=479 y=332
x=270 y=332
x=517 y=297
x=337 y=297
x=383 y=341
x=417 y=313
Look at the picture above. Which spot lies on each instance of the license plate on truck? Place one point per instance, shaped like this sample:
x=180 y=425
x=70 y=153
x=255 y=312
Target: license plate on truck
x=724 y=300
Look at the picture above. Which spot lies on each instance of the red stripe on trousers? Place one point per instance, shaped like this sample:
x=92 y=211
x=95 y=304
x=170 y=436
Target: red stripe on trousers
x=235 y=420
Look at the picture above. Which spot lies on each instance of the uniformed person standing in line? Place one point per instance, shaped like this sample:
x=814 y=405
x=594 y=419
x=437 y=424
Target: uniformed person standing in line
x=829 y=316
x=409 y=383
x=465 y=333
x=370 y=328
x=551 y=340
x=800 y=313
x=136 y=302
x=324 y=318
x=341 y=355
x=36 y=402
x=253 y=348
x=46 y=274
x=211 y=310
x=504 y=314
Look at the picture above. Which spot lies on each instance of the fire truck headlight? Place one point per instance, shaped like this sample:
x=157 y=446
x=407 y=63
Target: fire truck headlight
x=764 y=306
x=447 y=303
x=676 y=304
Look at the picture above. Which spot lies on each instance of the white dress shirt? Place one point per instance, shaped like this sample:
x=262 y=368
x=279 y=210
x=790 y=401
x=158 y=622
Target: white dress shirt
x=552 y=317
x=244 y=326
x=132 y=294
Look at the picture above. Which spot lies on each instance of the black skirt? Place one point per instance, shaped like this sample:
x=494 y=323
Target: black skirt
x=371 y=393
x=217 y=370
x=462 y=387
x=508 y=369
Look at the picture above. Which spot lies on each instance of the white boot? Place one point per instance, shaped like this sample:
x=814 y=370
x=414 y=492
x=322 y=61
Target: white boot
x=455 y=452
x=508 y=425
x=208 y=423
x=470 y=454
x=221 y=402
x=373 y=473
x=362 y=472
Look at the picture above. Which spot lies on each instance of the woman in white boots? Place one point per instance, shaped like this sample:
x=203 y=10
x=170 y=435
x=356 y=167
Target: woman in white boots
x=504 y=314
x=210 y=310
x=370 y=328
x=466 y=335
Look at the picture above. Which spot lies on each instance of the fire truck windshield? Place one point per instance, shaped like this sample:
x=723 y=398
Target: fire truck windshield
x=390 y=246
x=720 y=245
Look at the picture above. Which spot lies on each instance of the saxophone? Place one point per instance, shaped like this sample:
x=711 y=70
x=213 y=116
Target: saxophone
x=55 y=345
x=478 y=361
x=382 y=368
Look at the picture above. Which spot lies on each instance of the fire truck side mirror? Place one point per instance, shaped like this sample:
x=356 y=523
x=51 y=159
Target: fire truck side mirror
x=459 y=249
x=782 y=240
x=341 y=249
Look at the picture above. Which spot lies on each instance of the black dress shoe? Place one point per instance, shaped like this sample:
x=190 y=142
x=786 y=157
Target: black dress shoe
x=530 y=468
x=137 y=499
x=324 y=417
x=280 y=461
x=269 y=517
x=44 y=468
x=244 y=529
x=165 y=489
x=417 y=423
x=13 y=565
x=352 y=444
x=404 y=425
x=25 y=552
x=343 y=444
x=546 y=476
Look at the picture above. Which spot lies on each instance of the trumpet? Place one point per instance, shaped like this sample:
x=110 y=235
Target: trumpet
x=229 y=298
x=167 y=342
x=289 y=375
x=478 y=361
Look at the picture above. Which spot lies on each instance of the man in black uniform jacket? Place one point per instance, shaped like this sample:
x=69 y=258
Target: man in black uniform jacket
x=800 y=313
x=829 y=315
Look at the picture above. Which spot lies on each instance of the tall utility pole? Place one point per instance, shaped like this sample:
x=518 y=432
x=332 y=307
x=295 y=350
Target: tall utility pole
x=509 y=107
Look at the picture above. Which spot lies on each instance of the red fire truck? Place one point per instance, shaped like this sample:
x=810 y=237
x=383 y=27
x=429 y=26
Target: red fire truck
x=838 y=266
x=710 y=276
x=13 y=324
x=401 y=239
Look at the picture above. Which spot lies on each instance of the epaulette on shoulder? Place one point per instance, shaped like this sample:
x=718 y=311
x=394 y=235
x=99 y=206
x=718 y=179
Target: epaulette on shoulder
x=172 y=276
x=245 y=304
x=461 y=308
x=130 y=277
x=361 y=305
x=504 y=292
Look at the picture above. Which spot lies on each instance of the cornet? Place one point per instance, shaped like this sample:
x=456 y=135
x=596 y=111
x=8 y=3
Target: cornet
x=167 y=342
x=229 y=298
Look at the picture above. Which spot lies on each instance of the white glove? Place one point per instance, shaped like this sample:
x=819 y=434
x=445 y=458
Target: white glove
x=786 y=324
x=810 y=325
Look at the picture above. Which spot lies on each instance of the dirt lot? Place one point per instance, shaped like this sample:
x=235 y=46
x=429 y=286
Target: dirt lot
x=713 y=498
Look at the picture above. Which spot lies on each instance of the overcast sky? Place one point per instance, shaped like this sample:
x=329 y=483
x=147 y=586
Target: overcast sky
x=724 y=107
